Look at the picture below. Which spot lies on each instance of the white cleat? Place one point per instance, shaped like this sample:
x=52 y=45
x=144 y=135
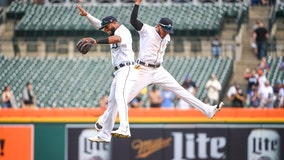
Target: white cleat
x=98 y=126
x=216 y=108
x=120 y=134
x=96 y=138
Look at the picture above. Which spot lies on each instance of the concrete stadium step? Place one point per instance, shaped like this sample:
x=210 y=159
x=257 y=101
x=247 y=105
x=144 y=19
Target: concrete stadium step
x=248 y=59
x=259 y=12
x=228 y=35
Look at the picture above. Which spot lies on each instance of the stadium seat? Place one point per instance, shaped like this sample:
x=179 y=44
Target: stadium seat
x=64 y=82
x=63 y=20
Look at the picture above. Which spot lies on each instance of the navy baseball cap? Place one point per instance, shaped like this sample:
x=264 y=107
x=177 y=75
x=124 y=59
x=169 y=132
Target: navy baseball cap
x=167 y=25
x=107 y=20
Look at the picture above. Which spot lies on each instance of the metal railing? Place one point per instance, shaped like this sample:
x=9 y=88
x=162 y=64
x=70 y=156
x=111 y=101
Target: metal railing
x=67 y=48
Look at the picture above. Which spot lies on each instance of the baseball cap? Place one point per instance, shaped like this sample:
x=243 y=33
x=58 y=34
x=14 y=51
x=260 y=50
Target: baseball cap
x=167 y=25
x=107 y=20
x=188 y=77
x=260 y=72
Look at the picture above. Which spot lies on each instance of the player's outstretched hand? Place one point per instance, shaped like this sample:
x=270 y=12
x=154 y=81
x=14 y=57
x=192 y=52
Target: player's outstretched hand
x=83 y=12
x=85 y=44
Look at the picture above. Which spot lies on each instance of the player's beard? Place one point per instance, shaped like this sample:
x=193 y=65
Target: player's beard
x=161 y=32
x=111 y=31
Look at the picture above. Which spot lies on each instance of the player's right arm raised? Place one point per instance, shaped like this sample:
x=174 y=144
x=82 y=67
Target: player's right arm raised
x=93 y=20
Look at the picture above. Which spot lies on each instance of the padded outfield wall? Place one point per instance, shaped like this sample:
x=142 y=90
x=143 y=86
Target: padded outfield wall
x=157 y=134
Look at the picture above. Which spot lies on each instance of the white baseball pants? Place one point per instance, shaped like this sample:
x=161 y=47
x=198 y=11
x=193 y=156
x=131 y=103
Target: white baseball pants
x=161 y=77
x=122 y=82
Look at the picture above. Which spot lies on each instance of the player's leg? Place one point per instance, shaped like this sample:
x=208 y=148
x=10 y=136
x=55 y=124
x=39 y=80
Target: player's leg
x=145 y=77
x=121 y=95
x=109 y=118
x=101 y=120
x=167 y=81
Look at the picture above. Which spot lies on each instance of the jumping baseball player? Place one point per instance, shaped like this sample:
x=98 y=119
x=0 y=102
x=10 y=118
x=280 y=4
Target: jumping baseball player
x=125 y=74
x=153 y=43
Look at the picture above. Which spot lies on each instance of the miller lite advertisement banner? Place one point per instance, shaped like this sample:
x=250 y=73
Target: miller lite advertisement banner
x=80 y=148
x=180 y=142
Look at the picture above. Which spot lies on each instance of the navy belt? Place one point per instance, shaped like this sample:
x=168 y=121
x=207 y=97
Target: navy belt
x=123 y=65
x=149 y=65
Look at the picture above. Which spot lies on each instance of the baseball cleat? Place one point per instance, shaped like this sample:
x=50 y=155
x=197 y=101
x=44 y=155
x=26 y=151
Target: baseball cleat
x=216 y=108
x=120 y=134
x=96 y=138
x=98 y=126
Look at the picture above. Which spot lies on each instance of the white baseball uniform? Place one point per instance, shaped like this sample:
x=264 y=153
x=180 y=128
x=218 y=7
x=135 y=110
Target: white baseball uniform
x=151 y=53
x=124 y=77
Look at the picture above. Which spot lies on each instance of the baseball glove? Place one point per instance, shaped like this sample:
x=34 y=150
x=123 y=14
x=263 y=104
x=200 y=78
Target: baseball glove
x=85 y=44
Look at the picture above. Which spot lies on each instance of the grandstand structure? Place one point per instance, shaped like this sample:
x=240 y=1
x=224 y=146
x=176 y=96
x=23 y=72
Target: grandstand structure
x=63 y=82
x=56 y=28
x=38 y=42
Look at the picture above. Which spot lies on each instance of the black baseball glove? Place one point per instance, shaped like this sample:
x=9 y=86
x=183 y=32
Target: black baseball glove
x=85 y=44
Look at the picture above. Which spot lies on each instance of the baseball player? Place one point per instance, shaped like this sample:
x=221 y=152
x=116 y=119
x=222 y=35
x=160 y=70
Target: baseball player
x=125 y=74
x=153 y=43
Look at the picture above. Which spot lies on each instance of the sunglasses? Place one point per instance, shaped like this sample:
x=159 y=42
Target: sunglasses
x=167 y=27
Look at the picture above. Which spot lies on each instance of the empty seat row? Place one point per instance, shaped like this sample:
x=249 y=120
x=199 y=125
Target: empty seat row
x=81 y=82
x=63 y=20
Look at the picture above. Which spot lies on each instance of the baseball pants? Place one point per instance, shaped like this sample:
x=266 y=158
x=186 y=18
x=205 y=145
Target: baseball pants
x=163 y=78
x=123 y=80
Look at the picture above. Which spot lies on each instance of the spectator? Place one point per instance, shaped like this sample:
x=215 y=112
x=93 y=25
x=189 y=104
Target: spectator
x=136 y=102
x=252 y=80
x=263 y=65
x=281 y=97
x=272 y=2
x=277 y=86
x=232 y=90
x=29 y=98
x=103 y=102
x=266 y=95
x=255 y=2
x=265 y=2
x=261 y=79
x=190 y=85
x=252 y=41
x=260 y=36
x=236 y=96
x=276 y=89
x=213 y=87
x=155 y=98
x=206 y=100
x=254 y=98
x=247 y=73
x=216 y=45
x=168 y=99
x=8 y=99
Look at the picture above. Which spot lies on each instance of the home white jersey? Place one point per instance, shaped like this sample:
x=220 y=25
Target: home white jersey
x=122 y=52
x=152 y=46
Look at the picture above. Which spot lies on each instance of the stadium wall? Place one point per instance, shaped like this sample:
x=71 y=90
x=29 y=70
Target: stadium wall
x=160 y=134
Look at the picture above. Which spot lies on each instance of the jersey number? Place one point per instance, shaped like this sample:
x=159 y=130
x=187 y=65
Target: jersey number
x=114 y=46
